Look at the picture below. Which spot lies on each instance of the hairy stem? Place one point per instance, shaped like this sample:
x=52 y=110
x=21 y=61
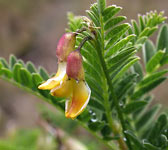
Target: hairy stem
x=112 y=124
x=109 y=145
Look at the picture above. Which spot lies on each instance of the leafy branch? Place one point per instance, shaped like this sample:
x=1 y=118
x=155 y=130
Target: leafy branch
x=119 y=112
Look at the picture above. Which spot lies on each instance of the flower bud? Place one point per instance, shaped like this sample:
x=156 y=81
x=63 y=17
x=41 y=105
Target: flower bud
x=74 y=66
x=65 y=45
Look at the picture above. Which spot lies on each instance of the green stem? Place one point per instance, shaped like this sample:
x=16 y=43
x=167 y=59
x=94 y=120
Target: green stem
x=100 y=50
x=114 y=97
x=108 y=109
x=110 y=146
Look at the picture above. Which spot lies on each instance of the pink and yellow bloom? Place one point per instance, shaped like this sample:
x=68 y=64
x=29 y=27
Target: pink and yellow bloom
x=69 y=80
x=65 y=45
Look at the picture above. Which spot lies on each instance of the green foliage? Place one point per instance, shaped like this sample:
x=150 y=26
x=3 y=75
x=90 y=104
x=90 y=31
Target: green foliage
x=146 y=26
x=148 y=51
x=21 y=140
x=154 y=62
x=163 y=38
x=120 y=104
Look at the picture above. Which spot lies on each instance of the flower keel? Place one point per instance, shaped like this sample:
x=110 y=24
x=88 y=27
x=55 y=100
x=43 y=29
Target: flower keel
x=64 y=90
x=81 y=95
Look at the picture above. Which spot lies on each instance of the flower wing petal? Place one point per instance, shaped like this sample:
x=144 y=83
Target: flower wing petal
x=79 y=101
x=63 y=90
x=57 y=79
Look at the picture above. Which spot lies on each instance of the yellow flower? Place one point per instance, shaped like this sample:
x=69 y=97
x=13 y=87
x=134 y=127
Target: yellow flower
x=69 y=80
x=57 y=79
x=76 y=92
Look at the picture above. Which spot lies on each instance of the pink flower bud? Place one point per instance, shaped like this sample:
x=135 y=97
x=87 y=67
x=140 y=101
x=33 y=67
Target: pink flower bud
x=65 y=45
x=74 y=66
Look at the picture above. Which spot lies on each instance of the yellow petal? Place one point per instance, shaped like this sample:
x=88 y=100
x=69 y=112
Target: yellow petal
x=79 y=101
x=57 y=79
x=63 y=90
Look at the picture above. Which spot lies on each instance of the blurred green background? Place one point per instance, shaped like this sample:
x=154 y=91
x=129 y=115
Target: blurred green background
x=30 y=30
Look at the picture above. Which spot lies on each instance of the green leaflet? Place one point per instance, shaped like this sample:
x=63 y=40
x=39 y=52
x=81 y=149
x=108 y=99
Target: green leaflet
x=116 y=30
x=162 y=42
x=145 y=32
x=146 y=88
x=94 y=9
x=96 y=104
x=141 y=41
x=162 y=39
x=158 y=127
x=101 y=5
x=1 y=68
x=125 y=68
x=30 y=67
x=116 y=33
x=164 y=61
x=25 y=77
x=147 y=24
x=93 y=84
x=43 y=73
x=93 y=17
x=92 y=70
x=148 y=51
x=116 y=63
x=21 y=62
x=6 y=72
x=36 y=80
x=122 y=54
x=74 y=22
x=152 y=30
x=16 y=72
x=154 y=62
x=4 y=63
x=137 y=68
x=135 y=27
x=163 y=141
x=134 y=106
x=110 y=11
x=152 y=77
x=147 y=118
x=157 y=18
x=150 y=146
x=125 y=86
x=114 y=21
x=139 y=113
x=12 y=61
x=122 y=65
x=137 y=143
x=119 y=45
x=141 y=22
